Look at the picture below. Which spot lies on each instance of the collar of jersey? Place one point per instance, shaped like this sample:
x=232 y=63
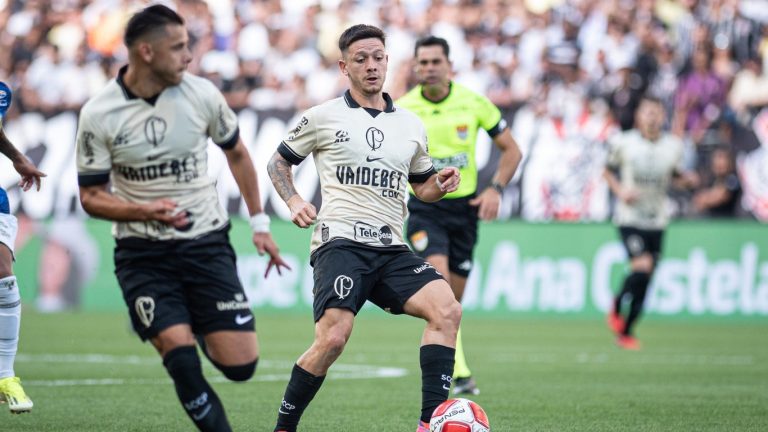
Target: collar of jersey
x=447 y=95
x=127 y=92
x=352 y=103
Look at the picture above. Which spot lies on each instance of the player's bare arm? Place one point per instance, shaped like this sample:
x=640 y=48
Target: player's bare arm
x=626 y=195
x=30 y=175
x=444 y=181
x=241 y=165
x=303 y=213
x=98 y=202
x=489 y=201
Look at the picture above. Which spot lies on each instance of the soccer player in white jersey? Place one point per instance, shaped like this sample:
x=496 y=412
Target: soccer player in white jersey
x=646 y=160
x=147 y=132
x=11 y=390
x=366 y=150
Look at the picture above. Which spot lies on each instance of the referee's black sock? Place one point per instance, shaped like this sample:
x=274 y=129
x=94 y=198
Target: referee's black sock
x=436 y=371
x=302 y=388
x=197 y=397
x=637 y=283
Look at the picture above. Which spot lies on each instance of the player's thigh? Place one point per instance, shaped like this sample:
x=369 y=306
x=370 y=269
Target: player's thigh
x=641 y=246
x=343 y=278
x=402 y=276
x=8 y=229
x=232 y=348
x=153 y=293
x=434 y=302
x=172 y=337
x=427 y=235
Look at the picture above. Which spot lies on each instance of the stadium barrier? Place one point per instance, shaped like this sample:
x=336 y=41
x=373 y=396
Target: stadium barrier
x=709 y=269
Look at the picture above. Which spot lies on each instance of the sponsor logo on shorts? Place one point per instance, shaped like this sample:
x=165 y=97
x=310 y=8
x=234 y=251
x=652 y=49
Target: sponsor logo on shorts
x=420 y=240
x=423 y=267
x=324 y=232
x=635 y=244
x=240 y=302
x=466 y=265
x=342 y=286
x=240 y=319
x=145 y=309
x=367 y=233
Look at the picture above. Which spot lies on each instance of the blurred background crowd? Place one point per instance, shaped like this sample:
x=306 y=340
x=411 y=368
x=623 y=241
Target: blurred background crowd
x=566 y=73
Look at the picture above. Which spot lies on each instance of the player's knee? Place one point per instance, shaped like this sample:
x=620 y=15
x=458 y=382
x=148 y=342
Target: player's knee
x=333 y=343
x=447 y=318
x=642 y=264
x=239 y=373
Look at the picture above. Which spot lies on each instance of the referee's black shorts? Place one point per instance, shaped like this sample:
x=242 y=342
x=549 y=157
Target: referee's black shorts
x=446 y=227
x=182 y=282
x=347 y=274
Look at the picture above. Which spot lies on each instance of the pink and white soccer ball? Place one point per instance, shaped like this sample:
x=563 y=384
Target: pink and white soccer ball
x=459 y=415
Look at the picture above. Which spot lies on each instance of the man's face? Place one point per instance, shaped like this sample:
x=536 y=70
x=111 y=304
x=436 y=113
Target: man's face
x=432 y=66
x=650 y=117
x=170 y=54
x=365 y=63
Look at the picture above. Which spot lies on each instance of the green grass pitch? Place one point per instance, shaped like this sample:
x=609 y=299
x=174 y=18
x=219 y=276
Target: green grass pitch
x=87 y=372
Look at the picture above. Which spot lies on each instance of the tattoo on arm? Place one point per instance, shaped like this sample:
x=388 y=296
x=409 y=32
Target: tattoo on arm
x=280 y=171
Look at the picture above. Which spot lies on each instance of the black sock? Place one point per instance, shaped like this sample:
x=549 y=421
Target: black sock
x=197 y=397
x=620 y=297
x=436 y=371
x=638 y=286
x=301 y=389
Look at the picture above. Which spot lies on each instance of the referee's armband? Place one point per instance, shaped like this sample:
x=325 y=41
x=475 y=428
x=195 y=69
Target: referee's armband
x=259 y=223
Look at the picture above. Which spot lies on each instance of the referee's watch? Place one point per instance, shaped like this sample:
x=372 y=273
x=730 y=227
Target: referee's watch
x=498 y=187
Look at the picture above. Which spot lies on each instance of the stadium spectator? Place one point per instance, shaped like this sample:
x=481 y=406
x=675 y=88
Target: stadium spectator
x=173 y=258
x=366 y=152
x=720 y=192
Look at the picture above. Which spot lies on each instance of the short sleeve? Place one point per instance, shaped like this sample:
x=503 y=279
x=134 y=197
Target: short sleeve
x=222 y=121
x=421 y=164
x=613 y=161
x=301 y=140
x=490 y=117
x=94 y=160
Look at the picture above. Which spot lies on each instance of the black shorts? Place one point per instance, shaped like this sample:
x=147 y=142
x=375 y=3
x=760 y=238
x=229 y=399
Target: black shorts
x=348 y=273
x=639 y=241
x=446 y=227
x=182 y=282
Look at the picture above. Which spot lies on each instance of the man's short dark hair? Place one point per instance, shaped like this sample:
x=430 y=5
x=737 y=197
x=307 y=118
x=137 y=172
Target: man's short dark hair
x=432 y=41
x=652 y=98
x=359 y=32
x=149 y=19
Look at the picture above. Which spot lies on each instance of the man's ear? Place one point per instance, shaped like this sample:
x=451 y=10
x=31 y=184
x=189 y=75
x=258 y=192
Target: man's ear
x=145 y=51
x=343 y=67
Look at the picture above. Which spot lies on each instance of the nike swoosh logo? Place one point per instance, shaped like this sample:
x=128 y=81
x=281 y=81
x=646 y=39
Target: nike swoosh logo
x=202 y=414
x=157 y=156
x=370 y=159
x=240 y=320
x=445 y=387
x=280 y=410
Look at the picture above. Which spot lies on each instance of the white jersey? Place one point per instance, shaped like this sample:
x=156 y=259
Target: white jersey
x=157 y=148
x=364 y=159
x=645 y=167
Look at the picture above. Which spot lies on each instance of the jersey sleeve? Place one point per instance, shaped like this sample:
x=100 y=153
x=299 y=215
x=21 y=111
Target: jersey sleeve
x=301 y=140
x=490 y=117
x=94 y=160
x=222 y=120
x=421 y=164
x=613 y=160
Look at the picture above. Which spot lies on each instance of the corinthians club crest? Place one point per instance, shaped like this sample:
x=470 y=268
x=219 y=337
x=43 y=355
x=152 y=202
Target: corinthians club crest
x=342 y=286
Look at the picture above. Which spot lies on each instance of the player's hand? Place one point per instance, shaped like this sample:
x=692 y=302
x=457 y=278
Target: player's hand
x=488 y=203
x=448 y=179
x=165 y=211
x=303 y=213
x=30 y=175
x=265 y=244
x=629 y=196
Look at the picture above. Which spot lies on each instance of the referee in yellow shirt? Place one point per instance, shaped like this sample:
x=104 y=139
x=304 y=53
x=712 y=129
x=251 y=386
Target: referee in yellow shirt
x=445 y=232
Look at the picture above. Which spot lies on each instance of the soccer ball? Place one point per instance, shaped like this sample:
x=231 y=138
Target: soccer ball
x=459 y=415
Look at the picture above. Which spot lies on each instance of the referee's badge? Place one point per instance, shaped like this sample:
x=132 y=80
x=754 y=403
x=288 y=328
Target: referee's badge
x=462 y=131
x=420 y=240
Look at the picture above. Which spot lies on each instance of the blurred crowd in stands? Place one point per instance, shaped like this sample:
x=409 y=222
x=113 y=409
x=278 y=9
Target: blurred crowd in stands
x=566 y=73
